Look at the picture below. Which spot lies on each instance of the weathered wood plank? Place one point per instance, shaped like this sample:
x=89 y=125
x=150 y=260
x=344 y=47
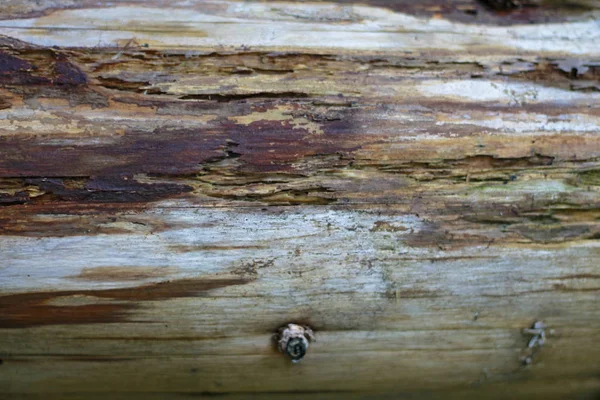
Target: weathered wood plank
x=416 y=182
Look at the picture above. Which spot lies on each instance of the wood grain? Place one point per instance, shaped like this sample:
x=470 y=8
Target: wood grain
x=418 y=183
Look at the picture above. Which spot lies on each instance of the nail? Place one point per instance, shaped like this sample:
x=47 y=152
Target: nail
x=293 y=340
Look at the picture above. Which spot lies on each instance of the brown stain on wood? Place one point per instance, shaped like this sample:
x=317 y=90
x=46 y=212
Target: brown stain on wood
x=31 y=313
x=556 y=288
x=384 y=226
x=31 y=309
x=153 y=338
x=61 y=219
x=415 y=294
x=122 y=188
x=193 y=248
x=576 y=276
x=98 y=359
x=116 y=274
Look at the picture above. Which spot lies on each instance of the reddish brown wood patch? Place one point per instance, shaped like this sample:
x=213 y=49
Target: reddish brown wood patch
x=31 y=309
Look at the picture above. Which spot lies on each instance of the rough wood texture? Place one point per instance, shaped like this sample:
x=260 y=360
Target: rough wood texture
x=418 y=182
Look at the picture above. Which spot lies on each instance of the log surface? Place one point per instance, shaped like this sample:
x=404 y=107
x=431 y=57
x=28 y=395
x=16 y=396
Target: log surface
x=417 y=182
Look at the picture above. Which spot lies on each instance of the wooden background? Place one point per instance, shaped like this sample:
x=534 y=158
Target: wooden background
x=418 y=181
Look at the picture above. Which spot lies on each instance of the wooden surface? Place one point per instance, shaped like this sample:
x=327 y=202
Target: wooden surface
x=417 y=182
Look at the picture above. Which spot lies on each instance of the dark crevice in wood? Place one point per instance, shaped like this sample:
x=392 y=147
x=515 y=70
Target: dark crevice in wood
x=240 y=97
x=283 y=197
